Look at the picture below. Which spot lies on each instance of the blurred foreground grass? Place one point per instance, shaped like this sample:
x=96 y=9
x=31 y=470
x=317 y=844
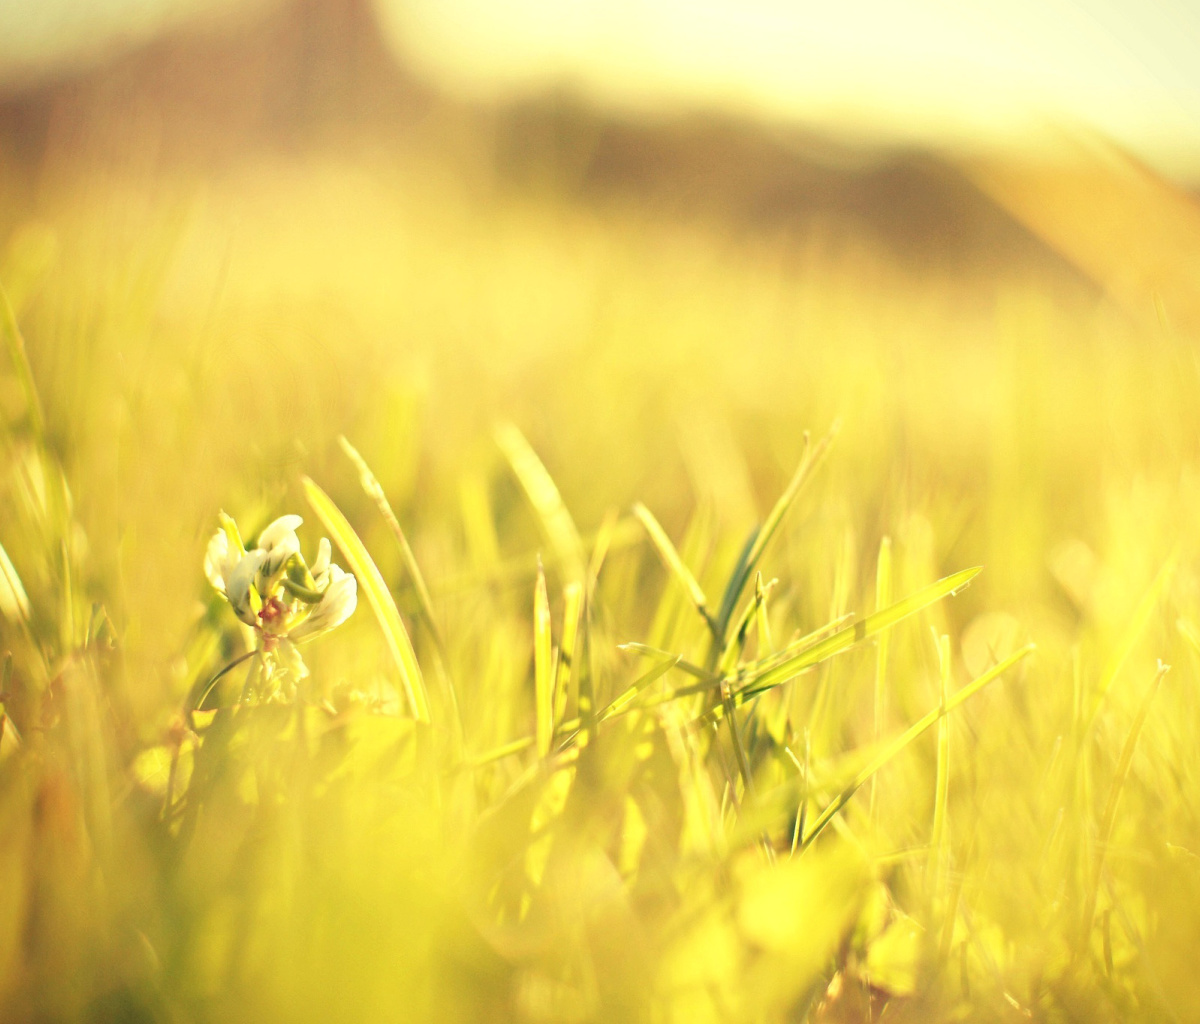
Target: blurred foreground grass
x=199 y=346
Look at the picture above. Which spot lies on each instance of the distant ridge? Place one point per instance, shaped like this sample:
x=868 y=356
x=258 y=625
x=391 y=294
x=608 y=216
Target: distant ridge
x=313 y=74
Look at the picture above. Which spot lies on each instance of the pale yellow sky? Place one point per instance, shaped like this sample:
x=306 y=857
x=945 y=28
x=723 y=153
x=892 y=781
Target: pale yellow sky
x=963 y=74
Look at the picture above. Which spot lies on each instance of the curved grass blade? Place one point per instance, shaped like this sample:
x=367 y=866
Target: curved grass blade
x=378 y=595
x=16 y=352
x=809 y=462
x=622 y=701
x=1110 y=808
x=374 y=491
x=761 y=676
x=646 y=651
x=911 y=733
x=566 y=677
x=1137 y=625
x=675 y=565
x=553 y=517
x=543 y=665
x=14 y=602
x=751 y=615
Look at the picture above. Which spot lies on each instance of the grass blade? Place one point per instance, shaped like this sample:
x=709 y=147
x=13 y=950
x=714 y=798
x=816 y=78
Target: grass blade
x=675 y=565
x=883 y=597
x=622 y=701
x=1110 y=808
x=762 y=676
x=1137 y=625
x=14 y=602
x=378 y=595
x=911 y=733
x=809 y=462
x=942 y=783
x=566 y=675
x=16 y=352
x=553 y=518
x=374 y=491
x=543 y=665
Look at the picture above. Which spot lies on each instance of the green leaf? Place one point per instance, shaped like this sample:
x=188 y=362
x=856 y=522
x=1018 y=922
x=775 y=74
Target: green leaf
x=378 y=596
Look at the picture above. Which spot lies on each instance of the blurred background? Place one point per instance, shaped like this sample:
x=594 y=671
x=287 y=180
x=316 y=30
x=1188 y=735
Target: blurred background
x=664 y=239
x=716 y=222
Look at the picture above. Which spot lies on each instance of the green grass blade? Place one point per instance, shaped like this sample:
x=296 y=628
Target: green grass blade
x=809 y=462
x=566 y=677
x=374 y=491
x=622 y=701
x=1137 y=626
x=553 y=518
x=1110 y=808
x=16 y=352
x=942 y=783
x=543 y=665
x=646 y=651
x=675 y=565
x=14 y=602
x=761 y=676
x=911 y=733
x=378 y=595
x=883 y=597
x=736 y=583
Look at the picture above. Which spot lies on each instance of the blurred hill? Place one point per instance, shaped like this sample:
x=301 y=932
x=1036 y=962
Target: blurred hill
x=315 y=74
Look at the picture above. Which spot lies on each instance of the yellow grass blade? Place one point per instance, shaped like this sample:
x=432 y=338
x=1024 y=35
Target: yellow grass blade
x=675 y=565
x=543 y=665
x=370 y=484
x=378 y=596
x=567 y=672
x=809 y=462
x=1114 y=795
x=911 y=733
x=16 y=352
x=761 y=676
x=553 y=518
x=14 y=602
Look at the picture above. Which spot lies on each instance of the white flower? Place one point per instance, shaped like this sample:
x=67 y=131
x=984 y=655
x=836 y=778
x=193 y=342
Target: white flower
x=271 y=588
x=280 y=542
x=240 y=589
x=338 y=601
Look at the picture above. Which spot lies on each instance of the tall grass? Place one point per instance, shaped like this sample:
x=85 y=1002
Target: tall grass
x=638 y=720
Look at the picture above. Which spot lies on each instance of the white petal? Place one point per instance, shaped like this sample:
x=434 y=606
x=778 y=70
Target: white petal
x=278 y=530
x=321 y=562
x=216 y=558
x=238 y=582
x=289 y=545
x=335 y=607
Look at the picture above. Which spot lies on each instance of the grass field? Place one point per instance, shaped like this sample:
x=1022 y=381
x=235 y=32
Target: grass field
x=826 y=787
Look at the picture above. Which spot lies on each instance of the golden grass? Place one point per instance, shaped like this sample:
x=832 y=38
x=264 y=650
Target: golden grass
x=200 y=347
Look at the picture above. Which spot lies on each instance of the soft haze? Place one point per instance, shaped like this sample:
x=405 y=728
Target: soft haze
x=962 y=75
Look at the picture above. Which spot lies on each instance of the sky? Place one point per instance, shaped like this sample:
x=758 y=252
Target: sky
x=961 y=75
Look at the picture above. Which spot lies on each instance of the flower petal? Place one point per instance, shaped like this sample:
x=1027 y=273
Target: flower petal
x=216 y=559
x=335 y=607
x=238 y=583
x=321 y=562
x=278 y=531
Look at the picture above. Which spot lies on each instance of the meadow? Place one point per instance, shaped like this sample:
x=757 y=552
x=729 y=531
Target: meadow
x=670 y=694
